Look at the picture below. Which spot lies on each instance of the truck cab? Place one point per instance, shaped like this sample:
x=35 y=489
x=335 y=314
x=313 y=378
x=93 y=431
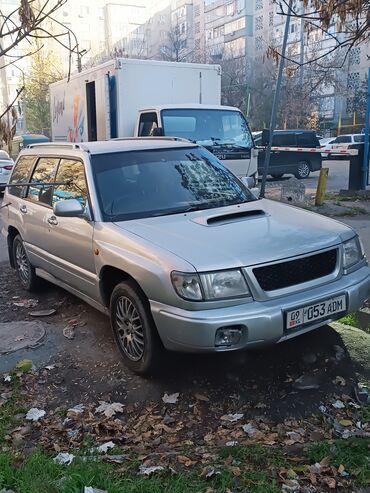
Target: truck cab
x=223 y=130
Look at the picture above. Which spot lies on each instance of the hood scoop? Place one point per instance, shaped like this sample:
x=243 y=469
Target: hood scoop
x=229 y=217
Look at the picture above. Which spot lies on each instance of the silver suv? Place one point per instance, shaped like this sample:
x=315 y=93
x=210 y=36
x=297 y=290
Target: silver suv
x=178 y=251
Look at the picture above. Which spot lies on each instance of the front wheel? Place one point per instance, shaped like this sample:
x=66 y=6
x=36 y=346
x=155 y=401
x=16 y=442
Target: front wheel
x=303 y=170
x=134 y=329
x=26 y=272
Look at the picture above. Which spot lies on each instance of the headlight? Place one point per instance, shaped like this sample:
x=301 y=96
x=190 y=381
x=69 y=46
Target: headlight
x=187 y=286
x=210 y=286
x=352 y=252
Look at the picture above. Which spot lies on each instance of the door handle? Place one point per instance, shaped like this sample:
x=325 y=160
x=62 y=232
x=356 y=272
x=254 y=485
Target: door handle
x=23 y=209
x=53 y=220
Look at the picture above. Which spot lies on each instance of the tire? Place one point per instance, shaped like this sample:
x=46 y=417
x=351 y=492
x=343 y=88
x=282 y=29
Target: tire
x=134 y=330
x=277 y=176
x=303 y=170
x=25 y=271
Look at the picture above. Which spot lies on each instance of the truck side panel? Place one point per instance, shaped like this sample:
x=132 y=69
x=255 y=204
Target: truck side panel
x=69 y=110
x=144 y=85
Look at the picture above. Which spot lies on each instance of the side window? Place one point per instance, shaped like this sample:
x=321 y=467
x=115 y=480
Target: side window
x=343 y=139
x=44 y=172
x=72 y=174
x=284 y=140
x=21 y=174
x=148 y=122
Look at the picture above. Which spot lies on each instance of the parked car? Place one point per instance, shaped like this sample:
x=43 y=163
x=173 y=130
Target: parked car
x=6 y=167
x=299 y=164
x=326 y=145
x=345 y=142
x=178 y=251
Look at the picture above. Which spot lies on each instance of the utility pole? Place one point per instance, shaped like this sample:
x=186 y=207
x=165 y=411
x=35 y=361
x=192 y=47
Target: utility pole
x=276 y=100
x=365 y=164
x=301 y=55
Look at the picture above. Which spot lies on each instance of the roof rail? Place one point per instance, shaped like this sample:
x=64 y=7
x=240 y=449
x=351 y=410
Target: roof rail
x=68 y=145
x=180 y=139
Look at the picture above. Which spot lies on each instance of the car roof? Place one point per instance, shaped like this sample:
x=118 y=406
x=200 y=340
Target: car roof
x=195 y=106
x=108 y=146
x=294 y=131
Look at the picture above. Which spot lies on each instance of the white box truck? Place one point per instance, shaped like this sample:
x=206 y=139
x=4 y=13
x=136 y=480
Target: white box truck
x=137 y=98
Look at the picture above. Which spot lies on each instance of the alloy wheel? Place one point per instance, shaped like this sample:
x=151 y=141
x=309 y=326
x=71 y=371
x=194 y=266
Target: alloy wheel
x=129 y=329
x=22 y=263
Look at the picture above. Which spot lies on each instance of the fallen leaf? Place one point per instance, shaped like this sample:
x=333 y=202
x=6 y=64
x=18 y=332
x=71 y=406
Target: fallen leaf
x=345 y=422
x=147 y=471
x=170 y=398
x=64 y=458
x=109 y=409
x=341 y=469
x=24 y=365
x=69 y=332
x=232 y=418
x=43 y=313
x=338 y=404
x=249 y=429
x=79 y=409
x=105 y=447
x=35 y=414
x=208 y=472
x=182 y=459
x=89 y=489
x=331 y=483
x=236 y=471
x=201 y=397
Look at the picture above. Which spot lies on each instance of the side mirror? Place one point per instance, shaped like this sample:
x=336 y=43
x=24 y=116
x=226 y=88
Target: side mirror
x=158 y=132
x=68 y=208
x=256 y=192
x=248 y=181
x=265 y=138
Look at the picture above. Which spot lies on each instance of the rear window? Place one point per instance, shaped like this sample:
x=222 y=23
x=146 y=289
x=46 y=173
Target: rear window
x=20 y=174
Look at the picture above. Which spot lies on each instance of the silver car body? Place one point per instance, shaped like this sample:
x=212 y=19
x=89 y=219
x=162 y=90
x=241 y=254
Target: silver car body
x=80 y=254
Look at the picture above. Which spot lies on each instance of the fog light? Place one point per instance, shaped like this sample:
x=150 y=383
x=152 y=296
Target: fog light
x=228 y=336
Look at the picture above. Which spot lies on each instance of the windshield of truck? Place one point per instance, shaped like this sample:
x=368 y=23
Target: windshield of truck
x=208 y=127
x=138 y=184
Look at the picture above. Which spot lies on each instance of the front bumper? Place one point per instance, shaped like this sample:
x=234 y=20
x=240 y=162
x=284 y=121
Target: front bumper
x=263 y=322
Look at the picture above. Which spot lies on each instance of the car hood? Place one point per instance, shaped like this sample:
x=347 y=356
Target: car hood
x=237 y=236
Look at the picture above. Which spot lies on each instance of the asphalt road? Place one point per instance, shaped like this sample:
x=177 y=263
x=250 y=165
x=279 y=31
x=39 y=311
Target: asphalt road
x=337 y=179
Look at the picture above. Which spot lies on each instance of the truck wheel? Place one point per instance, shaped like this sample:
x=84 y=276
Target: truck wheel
x=25 y=271
x=303 y=170
x=277 y=176
x=134 y=329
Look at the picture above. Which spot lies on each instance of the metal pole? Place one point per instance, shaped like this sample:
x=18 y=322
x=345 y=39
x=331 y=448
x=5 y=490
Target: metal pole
x=276 y=101
x=301 y=56
x=365 y=164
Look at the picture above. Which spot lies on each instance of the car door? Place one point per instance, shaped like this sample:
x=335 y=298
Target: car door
x=70 y=239
x=35 y=207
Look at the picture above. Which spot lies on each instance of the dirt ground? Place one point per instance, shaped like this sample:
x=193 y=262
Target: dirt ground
x=88 y=367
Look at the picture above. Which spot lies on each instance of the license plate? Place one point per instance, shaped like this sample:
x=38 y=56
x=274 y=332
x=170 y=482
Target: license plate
x=317 y=311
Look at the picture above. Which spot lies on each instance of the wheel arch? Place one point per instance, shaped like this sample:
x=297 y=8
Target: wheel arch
x=12 y=233
x=109 y=277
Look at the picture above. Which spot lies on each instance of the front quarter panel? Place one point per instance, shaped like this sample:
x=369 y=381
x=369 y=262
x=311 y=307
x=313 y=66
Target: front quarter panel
x=149 y=265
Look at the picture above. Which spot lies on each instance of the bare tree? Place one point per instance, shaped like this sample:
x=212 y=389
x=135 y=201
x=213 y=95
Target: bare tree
x=31 y=20
x=176 y=49
x=351 y=19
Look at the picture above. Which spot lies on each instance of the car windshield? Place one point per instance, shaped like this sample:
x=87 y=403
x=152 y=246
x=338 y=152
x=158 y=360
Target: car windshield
x=138 y=184
x=208 y=127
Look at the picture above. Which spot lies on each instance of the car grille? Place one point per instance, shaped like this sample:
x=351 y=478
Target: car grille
x=285 y=274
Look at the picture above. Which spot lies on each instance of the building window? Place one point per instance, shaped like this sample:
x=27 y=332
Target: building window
x=235 y=48
x=259 y=42
x=271 y=19
x=230 y=9
x=353 y=81
x=259 y=23
x=162 y=19
x=235 y=25
x=218 y=31
x=259 y=4
x=354 y=56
